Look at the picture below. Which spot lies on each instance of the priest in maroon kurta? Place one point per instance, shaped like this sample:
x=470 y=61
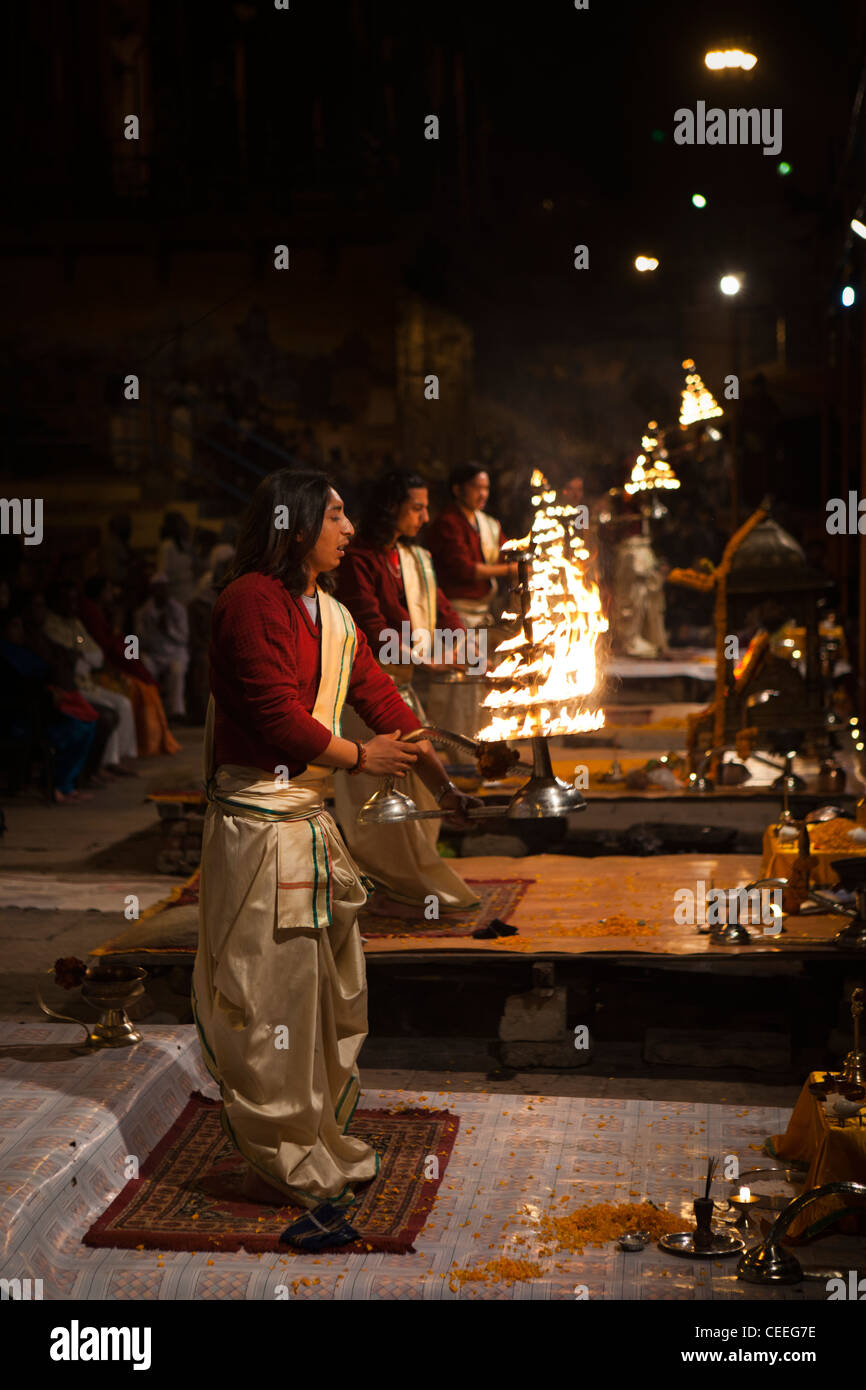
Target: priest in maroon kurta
x=279 y=986
x=389 y=585
x=265 y=668
x=370 y=583
x=465 y=543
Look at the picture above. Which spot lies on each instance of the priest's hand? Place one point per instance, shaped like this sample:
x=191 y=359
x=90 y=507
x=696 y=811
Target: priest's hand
x=386 y=754
x=456 y=804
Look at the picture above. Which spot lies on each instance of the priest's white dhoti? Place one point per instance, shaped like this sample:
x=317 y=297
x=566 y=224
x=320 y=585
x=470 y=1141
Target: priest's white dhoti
x=279 y=986
x=401 y=858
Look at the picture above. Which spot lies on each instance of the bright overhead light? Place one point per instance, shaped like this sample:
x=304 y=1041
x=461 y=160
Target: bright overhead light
x=848 y=296
x=783 y=167
x=730 y=284
x=646 y=263
x=730 y=58
x=858 y=227
x=699 y=201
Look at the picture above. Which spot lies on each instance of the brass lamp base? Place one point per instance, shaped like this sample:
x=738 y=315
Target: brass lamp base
x=544 y=795
x=114 y=1029
x=769 y=1264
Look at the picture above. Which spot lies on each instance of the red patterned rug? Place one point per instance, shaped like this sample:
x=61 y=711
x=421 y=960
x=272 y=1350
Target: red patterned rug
x=189 y=1194
x=384 y=916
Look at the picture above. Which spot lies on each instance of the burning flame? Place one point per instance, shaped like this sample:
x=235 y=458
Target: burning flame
x=697 y=401
x=547 y=672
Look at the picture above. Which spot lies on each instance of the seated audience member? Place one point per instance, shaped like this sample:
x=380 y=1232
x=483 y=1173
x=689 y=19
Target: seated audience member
x=125 y=673
x=63 y=627
x=36 y=714
x=61 y=663
x=163 y=628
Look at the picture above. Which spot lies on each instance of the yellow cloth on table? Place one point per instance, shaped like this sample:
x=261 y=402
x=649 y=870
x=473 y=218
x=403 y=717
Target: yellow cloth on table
x=829 y=840
x=834 y=1153
x=279 y=985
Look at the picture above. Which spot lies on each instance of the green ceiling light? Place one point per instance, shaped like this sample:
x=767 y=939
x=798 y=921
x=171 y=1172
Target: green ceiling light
x=658 y=136
x=698 y=200
x=783 y=167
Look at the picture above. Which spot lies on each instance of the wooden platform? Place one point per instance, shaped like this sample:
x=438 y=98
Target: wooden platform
x=617 y=906
x=593 y=906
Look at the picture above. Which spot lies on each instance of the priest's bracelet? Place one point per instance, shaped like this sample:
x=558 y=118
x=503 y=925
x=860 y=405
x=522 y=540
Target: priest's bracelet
x=362 y=758
x=443 y=792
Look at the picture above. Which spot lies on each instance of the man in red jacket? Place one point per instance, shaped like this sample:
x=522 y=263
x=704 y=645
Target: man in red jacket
x=465 y=543
x=388 y=583
x=279 y=987
x=382 y=560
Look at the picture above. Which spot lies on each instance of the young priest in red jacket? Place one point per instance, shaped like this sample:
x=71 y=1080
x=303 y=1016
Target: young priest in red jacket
x=465 y=543
x=279 y=987
x=388 y=583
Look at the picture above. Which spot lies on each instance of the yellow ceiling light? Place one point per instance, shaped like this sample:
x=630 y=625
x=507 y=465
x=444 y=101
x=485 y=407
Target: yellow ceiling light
x=719 y=59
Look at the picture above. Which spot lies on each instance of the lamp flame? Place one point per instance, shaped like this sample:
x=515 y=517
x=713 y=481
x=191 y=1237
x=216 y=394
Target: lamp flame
x=697 y=401
x=547 y=671
x=647 y=475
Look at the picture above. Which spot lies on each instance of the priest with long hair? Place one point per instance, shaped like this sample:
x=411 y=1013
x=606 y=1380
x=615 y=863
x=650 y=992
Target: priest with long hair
x=279 y=987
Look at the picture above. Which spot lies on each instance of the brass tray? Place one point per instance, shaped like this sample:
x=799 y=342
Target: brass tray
x=683 y=1243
